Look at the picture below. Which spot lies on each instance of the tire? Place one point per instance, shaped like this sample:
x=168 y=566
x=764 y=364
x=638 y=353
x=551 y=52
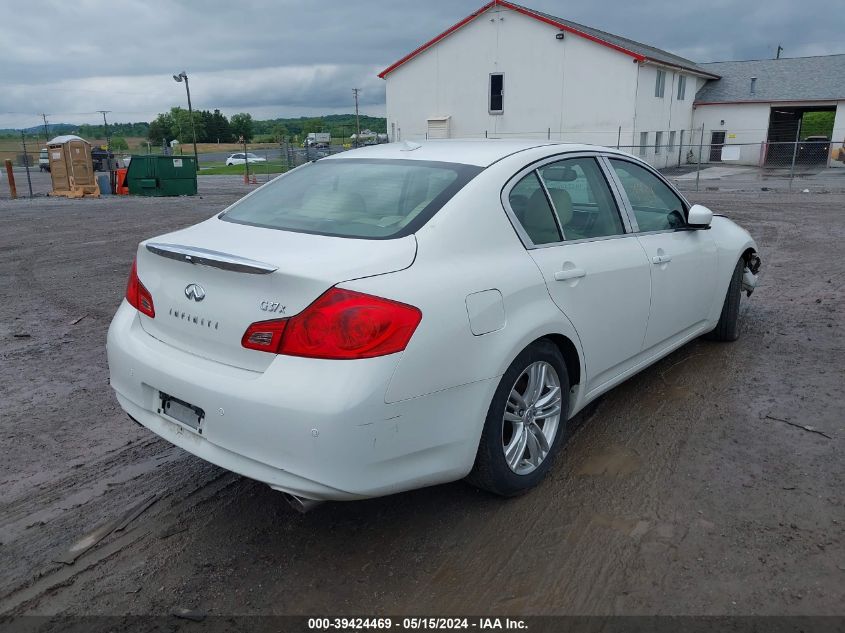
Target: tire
x=529 y=460
x=727 y=329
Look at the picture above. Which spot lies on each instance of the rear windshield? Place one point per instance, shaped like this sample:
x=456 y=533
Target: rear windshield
x=352 y=197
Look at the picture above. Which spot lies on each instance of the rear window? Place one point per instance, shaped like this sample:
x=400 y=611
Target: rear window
x=351 y=197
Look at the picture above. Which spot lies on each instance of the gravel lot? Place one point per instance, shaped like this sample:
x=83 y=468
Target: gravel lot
x=712 y=483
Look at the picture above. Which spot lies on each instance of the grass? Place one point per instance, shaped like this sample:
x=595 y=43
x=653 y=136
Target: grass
x=259 y=169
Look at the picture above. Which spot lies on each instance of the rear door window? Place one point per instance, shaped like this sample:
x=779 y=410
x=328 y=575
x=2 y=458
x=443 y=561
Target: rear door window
x=582 y=199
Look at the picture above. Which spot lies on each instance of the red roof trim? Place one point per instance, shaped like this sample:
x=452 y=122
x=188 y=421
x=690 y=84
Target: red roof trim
x=512 y=7
x=569 y=29
x=434 y=41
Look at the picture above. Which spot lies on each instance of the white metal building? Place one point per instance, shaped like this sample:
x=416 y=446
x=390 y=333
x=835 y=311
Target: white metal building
x=760 y=105
x=507 y=70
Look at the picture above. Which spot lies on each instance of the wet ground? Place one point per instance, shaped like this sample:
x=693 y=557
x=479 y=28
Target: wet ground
x=711 y=483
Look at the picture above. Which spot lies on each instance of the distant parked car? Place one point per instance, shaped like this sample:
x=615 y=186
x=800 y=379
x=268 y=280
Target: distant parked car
x=240 y=159
x=814 y=149
x=44 y=160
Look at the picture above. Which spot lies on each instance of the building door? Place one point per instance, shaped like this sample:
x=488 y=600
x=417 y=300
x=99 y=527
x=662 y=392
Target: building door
x=717 y=140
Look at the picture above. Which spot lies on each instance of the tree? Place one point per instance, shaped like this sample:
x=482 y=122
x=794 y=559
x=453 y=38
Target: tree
x=241 y=125
x=217 y=128
x=181 y=126
x=279 y=133
x=118 y=142
x=160 y=129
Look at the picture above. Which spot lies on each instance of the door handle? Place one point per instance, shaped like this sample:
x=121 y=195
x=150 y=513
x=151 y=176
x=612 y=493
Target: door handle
x=570 y=273
x=661 y=259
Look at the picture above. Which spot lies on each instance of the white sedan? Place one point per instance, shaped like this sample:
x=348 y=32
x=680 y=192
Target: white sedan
x=408 y=314
x=241 y=158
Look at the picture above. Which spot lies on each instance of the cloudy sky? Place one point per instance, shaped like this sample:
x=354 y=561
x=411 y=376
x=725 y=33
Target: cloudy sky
x=303 y=57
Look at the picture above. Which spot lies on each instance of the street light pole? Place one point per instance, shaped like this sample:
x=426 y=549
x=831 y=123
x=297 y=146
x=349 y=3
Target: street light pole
x=179 y=78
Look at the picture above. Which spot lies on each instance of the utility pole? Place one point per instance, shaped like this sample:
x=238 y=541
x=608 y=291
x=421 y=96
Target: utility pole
x=780 y=50
x=357 y=119
x=46 y=131
x=106 y=127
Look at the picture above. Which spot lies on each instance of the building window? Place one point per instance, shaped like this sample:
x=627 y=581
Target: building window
x=682 y=87
x=660 y=84
x=643 y=143
x=658 y=141
x=671 y=140
x=497 y=93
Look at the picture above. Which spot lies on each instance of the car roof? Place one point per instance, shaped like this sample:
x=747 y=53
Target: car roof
x=480 y=152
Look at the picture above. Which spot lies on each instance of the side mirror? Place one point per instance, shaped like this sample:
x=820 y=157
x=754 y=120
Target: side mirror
x=699 y=217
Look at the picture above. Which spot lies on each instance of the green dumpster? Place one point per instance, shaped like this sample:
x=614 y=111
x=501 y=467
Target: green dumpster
x=152 y=175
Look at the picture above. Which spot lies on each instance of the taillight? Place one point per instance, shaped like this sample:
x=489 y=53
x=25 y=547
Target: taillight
x=137 y=295
x=341 y=324
x=265 y=336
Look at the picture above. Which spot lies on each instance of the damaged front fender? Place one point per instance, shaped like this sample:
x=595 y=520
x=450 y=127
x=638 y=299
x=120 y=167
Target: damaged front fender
x=749 y=275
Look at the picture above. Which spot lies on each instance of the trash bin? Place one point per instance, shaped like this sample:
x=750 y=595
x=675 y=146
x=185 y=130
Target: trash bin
x=122 y=189
x=104 y=183
x=152 y=175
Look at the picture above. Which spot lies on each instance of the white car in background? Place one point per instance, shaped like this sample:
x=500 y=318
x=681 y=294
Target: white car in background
x=241 y=158
x=408 y=314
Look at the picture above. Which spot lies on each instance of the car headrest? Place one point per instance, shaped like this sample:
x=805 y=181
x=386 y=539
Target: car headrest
x=563 y=205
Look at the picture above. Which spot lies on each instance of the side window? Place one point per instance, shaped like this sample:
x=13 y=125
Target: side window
x=660 y=83
x=582 y=199
x=531 y=207
x=656 y=206
x=497 y=93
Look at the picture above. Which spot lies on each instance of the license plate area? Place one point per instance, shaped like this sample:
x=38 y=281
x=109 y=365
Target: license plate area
x=183 y=412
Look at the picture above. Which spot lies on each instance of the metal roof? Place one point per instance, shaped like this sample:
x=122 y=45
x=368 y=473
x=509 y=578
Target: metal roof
x=786 y=79
x=60 y=140
x=648 y=52
x=637 y=50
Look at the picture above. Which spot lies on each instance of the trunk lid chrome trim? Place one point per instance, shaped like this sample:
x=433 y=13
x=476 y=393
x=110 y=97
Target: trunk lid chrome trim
x=213 y=259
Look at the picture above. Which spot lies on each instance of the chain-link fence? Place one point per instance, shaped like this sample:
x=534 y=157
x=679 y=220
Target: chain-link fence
x=691 y=158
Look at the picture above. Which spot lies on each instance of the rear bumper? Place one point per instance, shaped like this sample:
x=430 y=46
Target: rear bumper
x=314 y=428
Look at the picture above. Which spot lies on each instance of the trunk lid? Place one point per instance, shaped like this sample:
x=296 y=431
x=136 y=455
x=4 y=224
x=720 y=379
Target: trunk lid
x=246 y=274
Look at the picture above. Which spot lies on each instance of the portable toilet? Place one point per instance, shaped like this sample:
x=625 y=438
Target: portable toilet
x=71 y=168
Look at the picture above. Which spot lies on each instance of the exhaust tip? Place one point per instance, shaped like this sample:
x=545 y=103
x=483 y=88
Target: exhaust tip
x=301 y=504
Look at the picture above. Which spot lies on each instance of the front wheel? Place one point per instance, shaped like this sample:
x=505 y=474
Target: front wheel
x=727 y=329
x=525 y=423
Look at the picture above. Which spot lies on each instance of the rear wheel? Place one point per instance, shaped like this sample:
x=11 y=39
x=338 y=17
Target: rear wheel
x=727 y=329
x=525 y=423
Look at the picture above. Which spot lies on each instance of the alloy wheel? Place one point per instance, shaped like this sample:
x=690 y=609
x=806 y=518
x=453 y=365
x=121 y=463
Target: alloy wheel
x=531 y=418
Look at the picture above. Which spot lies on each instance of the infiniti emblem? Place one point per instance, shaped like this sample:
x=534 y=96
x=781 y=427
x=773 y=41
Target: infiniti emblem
x=195 y=292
